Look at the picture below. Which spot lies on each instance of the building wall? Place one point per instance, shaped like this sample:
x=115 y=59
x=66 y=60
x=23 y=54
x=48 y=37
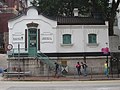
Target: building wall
x=4 y=17
x=37 y=68
x=49 y=28
x=115 y=40
x=80 y=38
x=3 y=61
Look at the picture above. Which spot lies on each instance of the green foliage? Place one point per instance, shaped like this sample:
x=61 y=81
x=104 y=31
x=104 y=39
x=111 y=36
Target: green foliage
x=65 y=8
x=101 y=6
x=61 y=7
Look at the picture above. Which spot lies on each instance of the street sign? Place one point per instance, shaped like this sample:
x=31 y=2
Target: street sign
x=9 y=47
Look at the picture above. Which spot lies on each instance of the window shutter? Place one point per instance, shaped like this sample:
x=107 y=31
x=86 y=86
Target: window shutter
x=92 y=38
x=38 y=39
x=66 y=39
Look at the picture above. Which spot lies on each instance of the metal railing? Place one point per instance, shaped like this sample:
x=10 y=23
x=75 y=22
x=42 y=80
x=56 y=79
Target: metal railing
x=45 y=59
x=23 y=53
x=70 y=75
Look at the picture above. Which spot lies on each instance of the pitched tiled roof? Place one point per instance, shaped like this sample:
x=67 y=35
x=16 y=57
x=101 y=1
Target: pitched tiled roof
x=79 y=21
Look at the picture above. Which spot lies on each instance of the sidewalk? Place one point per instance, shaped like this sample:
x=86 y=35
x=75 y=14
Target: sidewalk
x=1 y=78
x=64 y=78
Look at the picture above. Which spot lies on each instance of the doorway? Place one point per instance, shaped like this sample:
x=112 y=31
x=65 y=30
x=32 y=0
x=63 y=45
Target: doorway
x=32 y=42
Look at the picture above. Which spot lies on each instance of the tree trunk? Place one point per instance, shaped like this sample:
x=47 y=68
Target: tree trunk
x=112 y=16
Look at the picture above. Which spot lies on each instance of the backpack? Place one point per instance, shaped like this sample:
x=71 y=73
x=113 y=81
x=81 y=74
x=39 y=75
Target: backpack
x=78 y=66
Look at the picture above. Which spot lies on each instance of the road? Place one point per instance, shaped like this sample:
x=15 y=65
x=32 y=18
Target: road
x=60 y=85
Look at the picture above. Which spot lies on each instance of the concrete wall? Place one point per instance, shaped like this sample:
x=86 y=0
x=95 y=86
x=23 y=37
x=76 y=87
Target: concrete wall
x=37 y=68
x=3 y=61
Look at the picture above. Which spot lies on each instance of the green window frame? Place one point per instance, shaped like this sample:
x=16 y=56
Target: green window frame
x=67 y=39
x=92 y=38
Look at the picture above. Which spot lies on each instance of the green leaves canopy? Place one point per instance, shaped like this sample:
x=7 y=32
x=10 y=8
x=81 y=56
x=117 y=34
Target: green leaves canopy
x=61 y=7
x=86 y=8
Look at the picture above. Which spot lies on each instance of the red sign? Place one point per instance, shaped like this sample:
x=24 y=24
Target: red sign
x=105 y=50
x=9 y=46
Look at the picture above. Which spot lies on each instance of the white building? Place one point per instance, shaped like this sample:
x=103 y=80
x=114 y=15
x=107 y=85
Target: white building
x=66 y=40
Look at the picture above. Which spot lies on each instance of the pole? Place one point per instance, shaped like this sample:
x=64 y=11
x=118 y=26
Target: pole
x=18 y=61
x=107 y=60
x=107 y=67
x=118 y=67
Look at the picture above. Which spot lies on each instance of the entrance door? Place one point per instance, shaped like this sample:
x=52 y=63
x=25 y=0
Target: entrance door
x=32 y=43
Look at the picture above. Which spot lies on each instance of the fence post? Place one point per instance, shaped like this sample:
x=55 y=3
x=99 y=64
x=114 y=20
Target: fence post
x=91 y=73
x=48 y=71
x=18 y=61
x=74 y=72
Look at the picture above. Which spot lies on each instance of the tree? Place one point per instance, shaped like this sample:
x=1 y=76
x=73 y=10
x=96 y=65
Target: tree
x=112 y=15
x=60 y=7
x=86 y=7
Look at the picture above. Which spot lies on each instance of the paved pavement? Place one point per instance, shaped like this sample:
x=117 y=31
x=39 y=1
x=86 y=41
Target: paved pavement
x=63 y=78
x=1 y=78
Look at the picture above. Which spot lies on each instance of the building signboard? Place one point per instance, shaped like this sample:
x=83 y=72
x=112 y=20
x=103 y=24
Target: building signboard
x=46 y=38
x=17 y=38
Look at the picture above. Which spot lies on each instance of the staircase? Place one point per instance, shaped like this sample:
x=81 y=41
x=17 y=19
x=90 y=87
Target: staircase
x=40 y=56
x=45 y=59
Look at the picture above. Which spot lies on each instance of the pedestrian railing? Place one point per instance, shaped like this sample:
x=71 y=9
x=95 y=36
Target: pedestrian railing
x=45 y=59
x=70 y=75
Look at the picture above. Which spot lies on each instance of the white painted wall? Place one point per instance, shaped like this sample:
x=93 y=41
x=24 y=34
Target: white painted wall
x=18 y=26
x=79 y=34
x=80 y=38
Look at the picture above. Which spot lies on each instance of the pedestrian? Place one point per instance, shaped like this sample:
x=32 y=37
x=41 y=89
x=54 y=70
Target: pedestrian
x=84 y=67
x=56 y=69
x=106 y=69
x=78 y=66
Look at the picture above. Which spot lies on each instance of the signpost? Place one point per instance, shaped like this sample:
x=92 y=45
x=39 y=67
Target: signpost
x=106 y=52
x=9 y=47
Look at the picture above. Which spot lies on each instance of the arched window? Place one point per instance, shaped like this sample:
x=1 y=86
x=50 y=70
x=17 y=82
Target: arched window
x=92 y=38
x=67 y=39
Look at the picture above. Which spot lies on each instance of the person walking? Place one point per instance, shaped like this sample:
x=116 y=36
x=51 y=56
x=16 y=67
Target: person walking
x=106 y=70
x=56 y=69
x=78 y=66
x=84 y=67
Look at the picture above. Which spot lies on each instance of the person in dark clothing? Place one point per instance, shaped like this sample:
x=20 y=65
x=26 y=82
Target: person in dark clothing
x=78 y=66
x=56 y=69
x=84 y=67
